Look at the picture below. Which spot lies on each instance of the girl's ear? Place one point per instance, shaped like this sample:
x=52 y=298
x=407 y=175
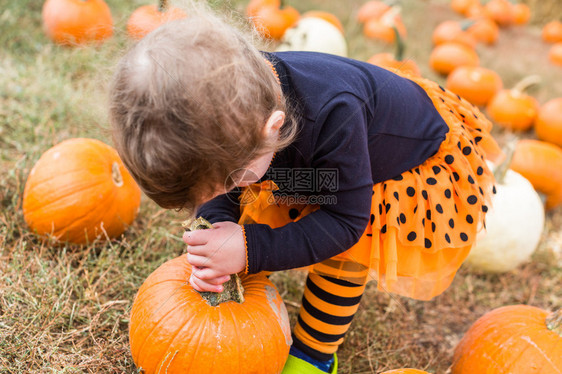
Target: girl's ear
x=274 y=123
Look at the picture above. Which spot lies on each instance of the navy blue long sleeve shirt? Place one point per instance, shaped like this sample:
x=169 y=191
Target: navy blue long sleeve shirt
x=358 y=125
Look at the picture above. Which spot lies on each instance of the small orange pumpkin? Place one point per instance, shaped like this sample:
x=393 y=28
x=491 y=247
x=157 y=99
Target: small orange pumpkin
x=445 y=57
x=382 y=28
x=389 y=61
x=148 y=17
x=371 y=9
x=75 y=22
x=501 y=11
x=255 y=5
x=513 y=108
x=555 y=54
x=272 y=22
x=516 y=339
x=78 y=190
x=462 y=6
x=552 y=32
x=521 y=14
x=484 y=30
x=548 y=124
x=477 y=10
x=174 y=329
x=541 y=163
x=453 y=31
x=475 y=83
x=396 y=62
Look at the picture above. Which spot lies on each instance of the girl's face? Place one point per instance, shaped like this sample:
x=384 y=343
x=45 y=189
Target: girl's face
x=244 y=177
x=257 y=167
x=254 y=172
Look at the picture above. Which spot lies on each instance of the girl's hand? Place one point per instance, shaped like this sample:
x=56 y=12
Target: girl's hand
x=210 y=285
x=215 y=254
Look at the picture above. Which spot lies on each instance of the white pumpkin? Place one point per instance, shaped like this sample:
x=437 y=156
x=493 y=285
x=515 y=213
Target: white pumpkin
x=316 y=35
x=514 y=225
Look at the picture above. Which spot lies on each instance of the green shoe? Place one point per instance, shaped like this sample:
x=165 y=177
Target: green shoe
x=295 y=365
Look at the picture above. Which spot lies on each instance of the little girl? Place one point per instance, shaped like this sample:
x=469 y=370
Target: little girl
x=303 y=159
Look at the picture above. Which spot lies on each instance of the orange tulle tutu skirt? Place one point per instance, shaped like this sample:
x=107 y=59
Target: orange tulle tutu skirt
x=423 y=222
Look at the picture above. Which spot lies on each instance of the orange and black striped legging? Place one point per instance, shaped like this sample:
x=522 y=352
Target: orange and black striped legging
x=328 y=307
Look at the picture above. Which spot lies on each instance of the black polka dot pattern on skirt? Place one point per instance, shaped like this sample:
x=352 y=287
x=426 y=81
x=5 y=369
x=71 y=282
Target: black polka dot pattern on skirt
x=439 y=203
x=293 y=213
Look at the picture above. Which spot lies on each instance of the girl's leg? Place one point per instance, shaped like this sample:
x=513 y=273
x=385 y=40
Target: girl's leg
x=328 y=307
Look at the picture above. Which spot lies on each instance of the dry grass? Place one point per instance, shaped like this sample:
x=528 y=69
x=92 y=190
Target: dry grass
x=64 y=308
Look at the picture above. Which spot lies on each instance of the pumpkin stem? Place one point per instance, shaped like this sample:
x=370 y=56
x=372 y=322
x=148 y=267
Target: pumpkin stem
x=501 y=170
x=554 y=322
x=163 y=5
x=388 y=18
x=526 y=82
x=116 y=175
x=232 y=289
x=465 y=25
x=400 y=46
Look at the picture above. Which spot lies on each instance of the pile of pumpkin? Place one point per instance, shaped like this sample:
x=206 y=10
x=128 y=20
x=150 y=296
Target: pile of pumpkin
x=538 y=161
x=79 y=191
x=74 y=23
x=515 y=224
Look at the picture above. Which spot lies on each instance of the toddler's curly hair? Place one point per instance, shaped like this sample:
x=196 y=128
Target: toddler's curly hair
x=187 y=107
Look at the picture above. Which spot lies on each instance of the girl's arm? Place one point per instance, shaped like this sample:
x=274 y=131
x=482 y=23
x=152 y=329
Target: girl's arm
x=340 y=143
x=212 y=265
x=222 y=208
x=316 y=237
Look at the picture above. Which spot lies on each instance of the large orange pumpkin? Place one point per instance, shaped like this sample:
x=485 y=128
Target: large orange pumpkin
x=475 y=83
x=176 y=330
x=541 y=163
x=445 y=57
x=148 y=17
x=73 y=22
x=548 y=124
x=516 y=339
x=514 y=108
x=79 y=190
